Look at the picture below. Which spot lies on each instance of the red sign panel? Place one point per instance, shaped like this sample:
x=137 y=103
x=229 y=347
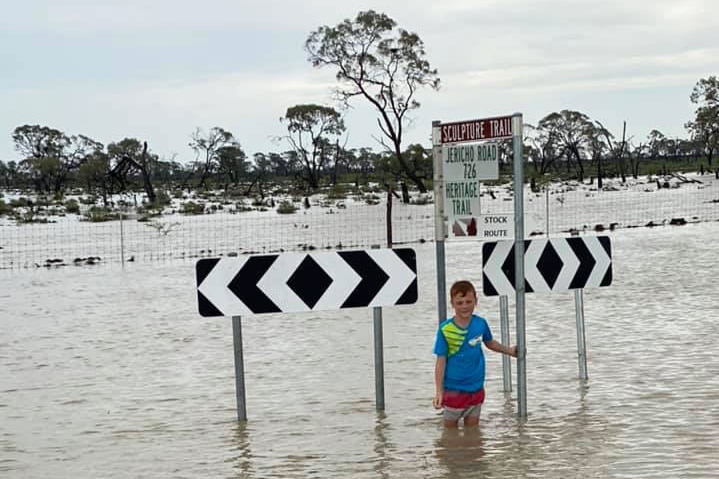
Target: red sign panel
x=476 y=130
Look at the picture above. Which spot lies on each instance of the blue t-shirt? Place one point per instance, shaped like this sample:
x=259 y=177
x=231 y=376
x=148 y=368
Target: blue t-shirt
x=463 y=349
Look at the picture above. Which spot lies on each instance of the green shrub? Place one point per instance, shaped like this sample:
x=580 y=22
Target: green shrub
x=72 y=206
x=192 y=208
x=99 y=214
x=421 y=200
x=162 y=199
x=240 y=206
x=145 y=215
x=338 y=192
x=372 y=199
x=28 y=217
x=235 y=193
x=4 y=208
x=150 y=208
x=286 y=207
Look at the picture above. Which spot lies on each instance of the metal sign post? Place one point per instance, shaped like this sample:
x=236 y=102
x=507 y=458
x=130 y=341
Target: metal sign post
x=378 y=359
x=504 y=324
x=439 y=228
x=581 y=338
x=581 y=341
x=378 y=353
x=239 y=368
x=519 y=263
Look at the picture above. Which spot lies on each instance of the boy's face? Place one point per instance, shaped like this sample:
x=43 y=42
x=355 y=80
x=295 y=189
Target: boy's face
x=464 y=304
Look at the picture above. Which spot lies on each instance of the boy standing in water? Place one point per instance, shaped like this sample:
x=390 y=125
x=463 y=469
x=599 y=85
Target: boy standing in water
x=459 y=370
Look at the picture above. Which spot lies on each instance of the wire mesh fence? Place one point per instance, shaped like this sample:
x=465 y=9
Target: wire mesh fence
x=643 y=202
x=230 y=227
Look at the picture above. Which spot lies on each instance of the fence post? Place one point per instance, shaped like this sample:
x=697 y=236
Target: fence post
x=122 y=241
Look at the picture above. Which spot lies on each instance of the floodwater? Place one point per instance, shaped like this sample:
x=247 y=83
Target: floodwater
x=112 y=373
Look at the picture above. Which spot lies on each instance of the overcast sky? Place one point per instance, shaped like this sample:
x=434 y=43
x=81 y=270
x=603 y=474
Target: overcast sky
x=158 y=69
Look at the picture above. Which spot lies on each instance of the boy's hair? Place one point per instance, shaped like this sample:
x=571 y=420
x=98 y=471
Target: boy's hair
x=462 y=287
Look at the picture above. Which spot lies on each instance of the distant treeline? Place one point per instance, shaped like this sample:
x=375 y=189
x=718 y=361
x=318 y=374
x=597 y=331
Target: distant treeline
x=564 y=145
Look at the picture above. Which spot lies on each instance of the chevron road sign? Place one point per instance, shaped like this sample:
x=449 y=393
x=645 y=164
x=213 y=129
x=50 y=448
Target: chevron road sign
x=559 y=264
x=294 y=282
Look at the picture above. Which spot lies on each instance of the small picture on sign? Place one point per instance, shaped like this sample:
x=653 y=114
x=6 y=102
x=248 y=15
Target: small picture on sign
x=464 y=227
x=472 y=227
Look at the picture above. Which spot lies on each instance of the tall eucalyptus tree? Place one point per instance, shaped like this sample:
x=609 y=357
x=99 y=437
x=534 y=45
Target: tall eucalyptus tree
x=705 y=126
x=381 y=63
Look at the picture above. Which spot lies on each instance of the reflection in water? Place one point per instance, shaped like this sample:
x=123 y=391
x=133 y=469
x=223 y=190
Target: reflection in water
x=569 y=441
x=382 y=447
x=242 y=452
x=509 y=407
x=460 y=451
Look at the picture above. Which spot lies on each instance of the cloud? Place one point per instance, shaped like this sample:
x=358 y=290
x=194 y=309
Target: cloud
x=83 y=17
x=620 y=72
x=249 y=105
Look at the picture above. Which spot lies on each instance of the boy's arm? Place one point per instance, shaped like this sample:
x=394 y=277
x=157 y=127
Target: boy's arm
x=501 y=348
x=439 y=367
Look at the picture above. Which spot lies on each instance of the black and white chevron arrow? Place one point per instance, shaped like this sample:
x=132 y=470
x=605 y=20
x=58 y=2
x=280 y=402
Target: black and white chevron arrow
x=558 y=264
x=294 y=282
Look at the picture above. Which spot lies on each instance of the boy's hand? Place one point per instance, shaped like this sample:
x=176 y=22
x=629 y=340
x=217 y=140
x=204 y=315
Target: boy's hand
x=513 y=351
x=437 y=401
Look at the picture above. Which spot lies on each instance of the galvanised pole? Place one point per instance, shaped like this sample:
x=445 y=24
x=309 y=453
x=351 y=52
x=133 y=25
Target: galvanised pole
x=517 y=126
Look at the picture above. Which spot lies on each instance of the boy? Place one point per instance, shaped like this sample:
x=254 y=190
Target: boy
x=459 y=370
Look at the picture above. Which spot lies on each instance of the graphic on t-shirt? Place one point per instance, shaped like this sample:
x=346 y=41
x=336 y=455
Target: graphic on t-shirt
x=454 y=337
x=475 y=340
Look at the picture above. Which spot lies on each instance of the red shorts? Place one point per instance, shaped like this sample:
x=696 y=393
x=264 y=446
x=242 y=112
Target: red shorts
x=462 y=399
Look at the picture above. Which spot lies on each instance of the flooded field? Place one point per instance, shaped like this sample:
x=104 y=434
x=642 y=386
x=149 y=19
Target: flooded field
x=112 y=373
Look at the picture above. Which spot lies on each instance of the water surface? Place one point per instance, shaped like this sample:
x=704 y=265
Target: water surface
x=112 y=373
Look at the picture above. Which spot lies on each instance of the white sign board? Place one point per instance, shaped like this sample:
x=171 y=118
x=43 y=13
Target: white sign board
x=559 y=264
x=294 y=282
x=496 y=226
x=461 y=205
x=463 y=166
x=471 y=161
